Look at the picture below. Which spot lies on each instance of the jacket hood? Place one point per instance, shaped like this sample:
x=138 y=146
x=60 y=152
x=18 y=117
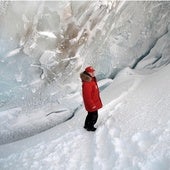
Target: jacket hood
x=85 y=77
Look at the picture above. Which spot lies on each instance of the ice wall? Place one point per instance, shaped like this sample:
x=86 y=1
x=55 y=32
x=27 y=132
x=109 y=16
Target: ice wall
x=45 y=44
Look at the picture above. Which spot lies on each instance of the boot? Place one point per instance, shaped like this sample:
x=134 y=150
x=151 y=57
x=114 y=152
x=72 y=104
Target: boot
x=91 y=129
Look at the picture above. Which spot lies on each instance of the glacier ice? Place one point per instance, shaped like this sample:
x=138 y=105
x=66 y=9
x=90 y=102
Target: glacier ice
x=45 y=44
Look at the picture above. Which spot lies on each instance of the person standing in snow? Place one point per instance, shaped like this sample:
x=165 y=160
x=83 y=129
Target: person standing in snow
x=91 y=97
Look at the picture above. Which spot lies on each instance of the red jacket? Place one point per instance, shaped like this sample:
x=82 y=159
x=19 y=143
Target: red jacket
x=90 y=92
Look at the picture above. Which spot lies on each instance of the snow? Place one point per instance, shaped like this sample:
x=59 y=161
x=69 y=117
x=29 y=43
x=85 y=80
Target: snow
x=44 y=47
x=48 y=34
x=132 y=131
x=14 y=52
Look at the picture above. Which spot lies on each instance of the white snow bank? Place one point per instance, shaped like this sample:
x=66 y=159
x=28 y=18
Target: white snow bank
x=133 y=132
x=15 y=125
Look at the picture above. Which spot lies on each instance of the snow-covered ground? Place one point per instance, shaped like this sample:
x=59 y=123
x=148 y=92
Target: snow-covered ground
x=44 y=45
x=133 y=131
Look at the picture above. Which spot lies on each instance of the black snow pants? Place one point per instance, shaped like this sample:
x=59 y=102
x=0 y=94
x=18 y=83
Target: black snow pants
x=91 y=119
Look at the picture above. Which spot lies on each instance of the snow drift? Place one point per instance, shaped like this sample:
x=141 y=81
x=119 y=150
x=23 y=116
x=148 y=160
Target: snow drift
x=44 y=47
x=132 y=132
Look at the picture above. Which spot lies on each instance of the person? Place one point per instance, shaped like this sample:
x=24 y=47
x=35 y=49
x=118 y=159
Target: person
x=91 y=97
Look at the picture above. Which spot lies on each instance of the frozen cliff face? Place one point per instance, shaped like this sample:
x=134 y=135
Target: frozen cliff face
x=45 y=45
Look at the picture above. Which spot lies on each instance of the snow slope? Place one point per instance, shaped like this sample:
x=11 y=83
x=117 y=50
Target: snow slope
x=133 y=132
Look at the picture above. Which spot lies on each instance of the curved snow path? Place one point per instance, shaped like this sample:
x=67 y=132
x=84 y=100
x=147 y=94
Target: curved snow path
x=82 y=150
x=118 y=143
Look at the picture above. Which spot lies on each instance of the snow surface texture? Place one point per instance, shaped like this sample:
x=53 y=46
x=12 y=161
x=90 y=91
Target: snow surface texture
x=43 y=48
x=45 y=45
x=133 y=132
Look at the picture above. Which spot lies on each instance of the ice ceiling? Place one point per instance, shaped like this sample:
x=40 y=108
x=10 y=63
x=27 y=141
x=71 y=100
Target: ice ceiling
x=44 y=45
